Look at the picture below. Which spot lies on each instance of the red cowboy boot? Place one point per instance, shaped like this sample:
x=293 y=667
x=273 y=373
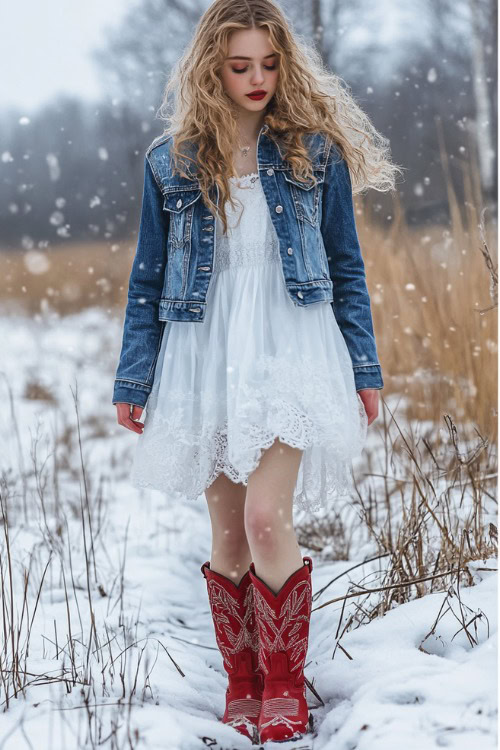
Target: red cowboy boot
x=283 y=625
x=238 y=641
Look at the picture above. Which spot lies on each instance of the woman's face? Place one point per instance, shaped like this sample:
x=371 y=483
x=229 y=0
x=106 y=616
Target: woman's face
x=250 y=65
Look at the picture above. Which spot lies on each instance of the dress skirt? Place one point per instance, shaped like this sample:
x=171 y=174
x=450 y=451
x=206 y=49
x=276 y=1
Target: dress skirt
x=257 y=368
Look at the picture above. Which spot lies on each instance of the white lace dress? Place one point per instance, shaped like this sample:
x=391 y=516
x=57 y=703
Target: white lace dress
x=258 y=367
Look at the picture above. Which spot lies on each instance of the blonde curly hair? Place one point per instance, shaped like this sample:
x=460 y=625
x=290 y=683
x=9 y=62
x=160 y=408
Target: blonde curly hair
x=308 y=99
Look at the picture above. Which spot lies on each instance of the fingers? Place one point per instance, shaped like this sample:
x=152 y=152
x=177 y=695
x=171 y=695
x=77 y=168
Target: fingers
x=370 y=399
x=134 y=414
x=127 y=414
x=373 y=414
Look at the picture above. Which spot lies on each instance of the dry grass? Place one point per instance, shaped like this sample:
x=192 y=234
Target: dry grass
x=429 y=514
x=105 y=663
x=432 y=294
x=66 y=278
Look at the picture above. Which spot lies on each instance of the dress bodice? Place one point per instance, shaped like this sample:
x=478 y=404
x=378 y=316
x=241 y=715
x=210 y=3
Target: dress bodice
x=251 y=238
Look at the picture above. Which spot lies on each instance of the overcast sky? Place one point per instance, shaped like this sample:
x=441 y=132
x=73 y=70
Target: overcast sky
x=45 y=44
x=44 y=47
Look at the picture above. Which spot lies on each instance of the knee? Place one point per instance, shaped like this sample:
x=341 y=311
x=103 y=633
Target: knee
x=264 y=522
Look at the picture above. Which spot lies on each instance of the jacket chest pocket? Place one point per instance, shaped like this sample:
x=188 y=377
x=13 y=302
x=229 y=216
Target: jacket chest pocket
x=306 y=195
x=180 y=203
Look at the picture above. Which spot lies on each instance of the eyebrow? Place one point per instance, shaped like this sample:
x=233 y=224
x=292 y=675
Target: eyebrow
x=240 y=57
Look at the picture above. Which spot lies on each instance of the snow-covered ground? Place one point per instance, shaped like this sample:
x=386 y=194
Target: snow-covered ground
x=119 y=649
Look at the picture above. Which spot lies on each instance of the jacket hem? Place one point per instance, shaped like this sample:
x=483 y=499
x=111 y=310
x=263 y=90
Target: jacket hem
x=130 y=392
x=367 y=377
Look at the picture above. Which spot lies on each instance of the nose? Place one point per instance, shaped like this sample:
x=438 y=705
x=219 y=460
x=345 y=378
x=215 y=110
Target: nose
x=258 y=76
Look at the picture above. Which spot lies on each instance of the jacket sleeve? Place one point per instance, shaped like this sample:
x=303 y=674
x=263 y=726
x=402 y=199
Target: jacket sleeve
x=351 y=301
x=142 y=330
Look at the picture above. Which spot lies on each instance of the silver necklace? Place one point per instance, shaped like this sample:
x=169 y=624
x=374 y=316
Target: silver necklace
x=244 y=150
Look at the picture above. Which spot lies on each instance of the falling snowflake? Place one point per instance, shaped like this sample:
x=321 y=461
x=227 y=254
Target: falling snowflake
x=36 y=262
x=54 y=168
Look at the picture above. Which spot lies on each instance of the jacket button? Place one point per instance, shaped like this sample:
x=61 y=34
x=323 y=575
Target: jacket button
x=290 y=251
x=270 y=172
x=278 y=209
x=179 y=203
x=299 y=294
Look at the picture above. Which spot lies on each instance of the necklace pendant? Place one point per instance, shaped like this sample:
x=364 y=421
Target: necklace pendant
x=245 y=150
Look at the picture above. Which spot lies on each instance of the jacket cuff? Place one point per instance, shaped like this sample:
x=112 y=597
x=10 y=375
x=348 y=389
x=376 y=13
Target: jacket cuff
x=128 y=392
x=368 y=376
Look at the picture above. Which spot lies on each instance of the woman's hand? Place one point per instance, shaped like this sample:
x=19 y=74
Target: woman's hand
x=369 y=397
x=127 y=413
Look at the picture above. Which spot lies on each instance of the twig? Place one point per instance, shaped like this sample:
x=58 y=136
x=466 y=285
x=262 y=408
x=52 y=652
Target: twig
x=386 y=588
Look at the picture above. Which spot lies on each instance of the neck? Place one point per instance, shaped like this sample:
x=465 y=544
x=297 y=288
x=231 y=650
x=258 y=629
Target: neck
x=249 y=125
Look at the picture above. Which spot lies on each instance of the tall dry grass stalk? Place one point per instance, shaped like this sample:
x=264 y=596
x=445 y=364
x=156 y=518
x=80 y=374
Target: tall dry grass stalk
x=104 y=662
x=435 y=325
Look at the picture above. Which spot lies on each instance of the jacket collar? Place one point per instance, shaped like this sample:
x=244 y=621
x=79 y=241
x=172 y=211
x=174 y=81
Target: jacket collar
x=269 y=154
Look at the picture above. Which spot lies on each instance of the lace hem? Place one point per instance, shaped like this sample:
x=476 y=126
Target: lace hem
x=334 y=481
x=183 y=460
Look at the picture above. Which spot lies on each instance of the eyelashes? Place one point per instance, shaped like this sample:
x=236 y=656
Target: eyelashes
x=243 y=70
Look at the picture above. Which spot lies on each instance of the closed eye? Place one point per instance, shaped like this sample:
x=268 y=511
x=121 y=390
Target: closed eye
x=243 y=70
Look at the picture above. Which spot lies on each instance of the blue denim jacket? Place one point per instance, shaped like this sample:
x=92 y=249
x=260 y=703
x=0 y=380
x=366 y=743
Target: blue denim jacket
x=172 y=269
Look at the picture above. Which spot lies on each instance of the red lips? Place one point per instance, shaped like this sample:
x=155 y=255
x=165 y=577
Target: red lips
x=259 y=94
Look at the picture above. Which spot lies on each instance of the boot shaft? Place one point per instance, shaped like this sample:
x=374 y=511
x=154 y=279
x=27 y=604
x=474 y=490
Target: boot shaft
x=283 y=623
x=233 y=614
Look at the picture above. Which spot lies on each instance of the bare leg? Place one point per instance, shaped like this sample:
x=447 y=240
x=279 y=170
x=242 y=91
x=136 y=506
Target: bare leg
x=226 y=505
x=269 y=515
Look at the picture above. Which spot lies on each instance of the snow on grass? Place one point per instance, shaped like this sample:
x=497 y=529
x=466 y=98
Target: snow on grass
x=402 y=687
x=119 y=650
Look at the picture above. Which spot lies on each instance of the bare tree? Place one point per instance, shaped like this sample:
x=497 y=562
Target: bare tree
x=142 y=48
x=483 y=19
x=317 y=26
x=324 y=21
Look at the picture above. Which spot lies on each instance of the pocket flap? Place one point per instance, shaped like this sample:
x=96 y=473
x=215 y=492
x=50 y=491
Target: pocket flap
x=309 y=182
x=179 y=199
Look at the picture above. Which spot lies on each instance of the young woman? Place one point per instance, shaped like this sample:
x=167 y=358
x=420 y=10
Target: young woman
x=248 y=330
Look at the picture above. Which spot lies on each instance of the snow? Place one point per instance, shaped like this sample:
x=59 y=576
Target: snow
x=393 y=693
x=391 y=683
